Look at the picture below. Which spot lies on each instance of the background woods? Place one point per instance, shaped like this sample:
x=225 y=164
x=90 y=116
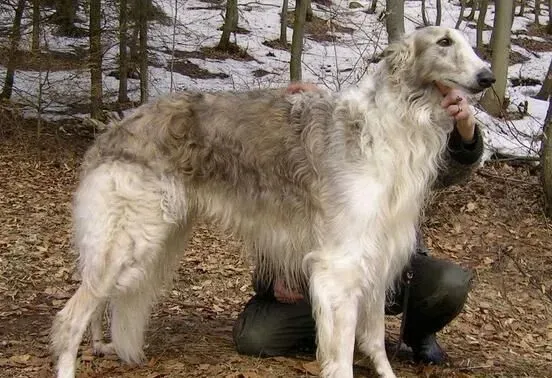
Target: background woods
x=67 y=67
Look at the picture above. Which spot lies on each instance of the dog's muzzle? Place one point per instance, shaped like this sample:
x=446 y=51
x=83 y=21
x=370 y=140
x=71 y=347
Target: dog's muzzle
x=485 y=78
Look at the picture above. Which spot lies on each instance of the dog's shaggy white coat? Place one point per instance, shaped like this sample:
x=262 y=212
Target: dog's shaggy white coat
x=327 y=190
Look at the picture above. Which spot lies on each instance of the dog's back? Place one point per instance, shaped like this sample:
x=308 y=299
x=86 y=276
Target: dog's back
x=259 y=128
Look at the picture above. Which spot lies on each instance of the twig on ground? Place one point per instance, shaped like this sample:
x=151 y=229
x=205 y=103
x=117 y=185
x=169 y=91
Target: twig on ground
x=534 y=281
x=476 y=367
x=489 y=175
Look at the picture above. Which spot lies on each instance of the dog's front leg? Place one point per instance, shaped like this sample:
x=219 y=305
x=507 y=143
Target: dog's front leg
x=371 y=329
x=335 y=298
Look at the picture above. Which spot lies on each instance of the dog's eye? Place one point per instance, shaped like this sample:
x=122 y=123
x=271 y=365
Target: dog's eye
x=444 y=42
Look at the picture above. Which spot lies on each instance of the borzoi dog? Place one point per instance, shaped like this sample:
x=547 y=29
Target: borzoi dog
x=326 y=189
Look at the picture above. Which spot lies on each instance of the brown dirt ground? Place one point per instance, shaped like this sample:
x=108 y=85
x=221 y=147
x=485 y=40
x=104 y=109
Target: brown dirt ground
x=494 y=224
x=532 y=45
x=46 y=60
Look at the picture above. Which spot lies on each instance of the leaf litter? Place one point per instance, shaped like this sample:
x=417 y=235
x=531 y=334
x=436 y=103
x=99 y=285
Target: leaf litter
x=493 y=225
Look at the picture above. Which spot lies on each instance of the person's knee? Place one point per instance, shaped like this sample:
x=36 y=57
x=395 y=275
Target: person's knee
x=250 y=341
x=268 y=328
x=453 y=288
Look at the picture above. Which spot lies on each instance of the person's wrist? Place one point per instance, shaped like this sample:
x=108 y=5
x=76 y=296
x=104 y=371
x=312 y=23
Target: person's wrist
x=466 y=129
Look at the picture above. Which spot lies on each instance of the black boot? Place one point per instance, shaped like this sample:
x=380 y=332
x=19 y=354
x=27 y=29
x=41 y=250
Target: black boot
x=438 y=291
x=428 y=351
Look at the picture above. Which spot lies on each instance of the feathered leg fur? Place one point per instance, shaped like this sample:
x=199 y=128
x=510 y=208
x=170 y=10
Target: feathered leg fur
x=128 y=248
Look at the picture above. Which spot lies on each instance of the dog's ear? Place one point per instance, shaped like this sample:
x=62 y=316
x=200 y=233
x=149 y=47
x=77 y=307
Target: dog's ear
x=398 y=55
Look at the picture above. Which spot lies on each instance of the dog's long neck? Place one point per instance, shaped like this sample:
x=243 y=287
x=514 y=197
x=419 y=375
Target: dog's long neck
x=403 y=134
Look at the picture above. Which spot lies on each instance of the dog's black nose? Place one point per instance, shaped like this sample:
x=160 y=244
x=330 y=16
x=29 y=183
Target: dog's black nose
x=485 y=78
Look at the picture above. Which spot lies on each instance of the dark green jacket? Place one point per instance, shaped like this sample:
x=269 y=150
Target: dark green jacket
x=461 y=159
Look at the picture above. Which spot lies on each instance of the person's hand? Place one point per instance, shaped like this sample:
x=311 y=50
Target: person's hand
x=456 y=105
x=285 y=295
x=298 y=87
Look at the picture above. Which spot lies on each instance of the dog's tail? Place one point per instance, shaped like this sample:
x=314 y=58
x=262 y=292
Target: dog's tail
x=129 y=317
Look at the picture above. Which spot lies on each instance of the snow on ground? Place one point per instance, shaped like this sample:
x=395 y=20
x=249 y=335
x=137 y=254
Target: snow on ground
x=333 y=65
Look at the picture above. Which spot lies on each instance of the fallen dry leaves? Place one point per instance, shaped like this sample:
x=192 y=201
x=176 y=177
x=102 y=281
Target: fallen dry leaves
x=493 y=225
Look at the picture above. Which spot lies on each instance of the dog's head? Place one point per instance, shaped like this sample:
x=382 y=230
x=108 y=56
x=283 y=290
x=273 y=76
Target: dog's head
x=439 y=54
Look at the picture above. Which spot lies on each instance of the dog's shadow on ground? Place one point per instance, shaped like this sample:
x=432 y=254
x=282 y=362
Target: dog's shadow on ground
x=185 y=337
x=175 y=334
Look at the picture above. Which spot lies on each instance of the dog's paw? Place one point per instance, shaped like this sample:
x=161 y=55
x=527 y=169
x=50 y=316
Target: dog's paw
x=99 y=348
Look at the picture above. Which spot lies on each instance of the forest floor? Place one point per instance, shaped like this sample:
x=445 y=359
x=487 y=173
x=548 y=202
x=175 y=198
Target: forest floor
x=494 y=225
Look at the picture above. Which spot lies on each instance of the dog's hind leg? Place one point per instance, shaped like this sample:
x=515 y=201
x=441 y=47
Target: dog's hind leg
x=122 y=230
x=335 y=299
x=371 y=330
x=99 y=346
x=68 y=328
x=130 y=312
x=130 y=308
x=132 y=303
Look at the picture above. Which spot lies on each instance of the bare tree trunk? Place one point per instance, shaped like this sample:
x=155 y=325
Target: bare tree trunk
x=309 y=15
x=493 y=30
x=521 y=10
x=481 y=23
x=133 y=43
x=424 y=15
x=65 y=16
x=297 y=40
x=537 y=12
x=35 y=42
x=546 y=160
x=461 y=16
x=395 y=19
x=373 y=7
x=546 y=89
x=439 y=12
x=123 y=61
x=173 y=47
x=493 y=99
x=95 y=58
x=474 y=6
x=230 y=24
x=283 y=23
x=15 y=37
x=143 y=22
x=549 y=28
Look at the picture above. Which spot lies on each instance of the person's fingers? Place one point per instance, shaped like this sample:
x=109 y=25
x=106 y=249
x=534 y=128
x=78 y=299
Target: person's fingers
x=462 y=115
x=442 y=88
x=294 y=88
x=458 y=111
x=453 y=110
x=454 y=97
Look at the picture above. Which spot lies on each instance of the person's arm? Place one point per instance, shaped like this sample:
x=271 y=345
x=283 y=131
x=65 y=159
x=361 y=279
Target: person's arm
x=465 y=145
x=461 y=158
x=276 y=289
x=285 y=295
x=297 y=87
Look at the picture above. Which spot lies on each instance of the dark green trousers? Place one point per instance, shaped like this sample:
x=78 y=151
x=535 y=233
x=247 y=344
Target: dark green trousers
x=438 y=292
